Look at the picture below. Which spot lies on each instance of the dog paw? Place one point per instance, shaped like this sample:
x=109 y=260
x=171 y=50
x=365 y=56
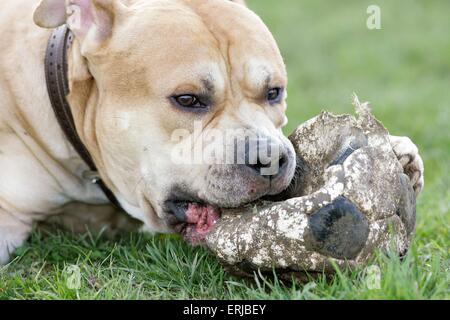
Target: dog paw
x=408 y=155
x=5 y=252
x=13 y=233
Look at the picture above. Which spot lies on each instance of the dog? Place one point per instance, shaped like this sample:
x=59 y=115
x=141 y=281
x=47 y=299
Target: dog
x=138 y=71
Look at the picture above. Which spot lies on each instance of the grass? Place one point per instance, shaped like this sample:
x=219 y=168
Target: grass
x=403 y=69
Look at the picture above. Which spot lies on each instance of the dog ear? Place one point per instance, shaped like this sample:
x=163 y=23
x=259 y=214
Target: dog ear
x=84 y=17
x=50 y=13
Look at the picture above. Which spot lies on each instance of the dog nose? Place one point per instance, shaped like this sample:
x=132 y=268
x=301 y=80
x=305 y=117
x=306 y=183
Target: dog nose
x=266 y=159
x=270 y=169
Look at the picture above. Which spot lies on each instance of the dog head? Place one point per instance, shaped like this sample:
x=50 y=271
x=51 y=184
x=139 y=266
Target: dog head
x=181 y=104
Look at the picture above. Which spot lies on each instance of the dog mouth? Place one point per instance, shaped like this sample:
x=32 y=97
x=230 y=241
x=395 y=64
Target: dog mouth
x=193 y=220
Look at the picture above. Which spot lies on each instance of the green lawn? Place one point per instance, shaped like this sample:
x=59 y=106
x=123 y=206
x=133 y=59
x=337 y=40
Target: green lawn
x=403 y=69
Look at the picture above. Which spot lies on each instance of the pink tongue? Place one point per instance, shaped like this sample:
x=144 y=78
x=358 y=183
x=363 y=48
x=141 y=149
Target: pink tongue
x=201 y=219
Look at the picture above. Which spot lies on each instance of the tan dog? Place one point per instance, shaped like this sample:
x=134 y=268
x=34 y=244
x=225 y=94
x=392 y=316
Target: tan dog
x=139 y=70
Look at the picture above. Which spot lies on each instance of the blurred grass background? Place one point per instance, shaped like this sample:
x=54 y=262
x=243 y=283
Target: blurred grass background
x=402 y=69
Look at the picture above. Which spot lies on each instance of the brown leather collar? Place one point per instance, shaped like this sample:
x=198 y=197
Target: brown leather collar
x=58 y=88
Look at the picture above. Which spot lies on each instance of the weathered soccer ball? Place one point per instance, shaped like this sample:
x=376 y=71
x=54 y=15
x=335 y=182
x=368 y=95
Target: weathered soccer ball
x=349 y=198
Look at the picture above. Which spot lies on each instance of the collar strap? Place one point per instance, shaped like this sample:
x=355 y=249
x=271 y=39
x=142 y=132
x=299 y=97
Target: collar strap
x=58 y=88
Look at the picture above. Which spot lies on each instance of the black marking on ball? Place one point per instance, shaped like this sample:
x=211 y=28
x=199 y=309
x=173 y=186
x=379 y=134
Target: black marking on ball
x=406 y=209
x=348 y=151
x=338 y=230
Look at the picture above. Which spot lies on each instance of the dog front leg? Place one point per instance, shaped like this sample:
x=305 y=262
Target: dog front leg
x=13 y=233
x=80 y=218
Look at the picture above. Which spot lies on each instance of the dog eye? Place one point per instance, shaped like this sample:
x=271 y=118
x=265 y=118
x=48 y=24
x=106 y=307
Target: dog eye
x=274 y=95
x=188 y=101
